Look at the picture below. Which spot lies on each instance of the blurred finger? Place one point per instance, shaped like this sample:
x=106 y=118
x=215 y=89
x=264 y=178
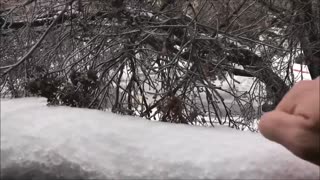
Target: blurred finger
x=280 y=127
x=293 y=96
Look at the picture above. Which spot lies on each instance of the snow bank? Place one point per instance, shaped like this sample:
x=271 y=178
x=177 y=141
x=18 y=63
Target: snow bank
x=62 y=142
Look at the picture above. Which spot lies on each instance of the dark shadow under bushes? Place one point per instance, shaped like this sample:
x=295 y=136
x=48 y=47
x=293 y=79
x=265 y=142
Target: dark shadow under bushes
x=74 y=91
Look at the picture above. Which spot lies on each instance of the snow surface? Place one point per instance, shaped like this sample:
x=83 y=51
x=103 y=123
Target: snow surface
x=62 y=142
x=301 y=72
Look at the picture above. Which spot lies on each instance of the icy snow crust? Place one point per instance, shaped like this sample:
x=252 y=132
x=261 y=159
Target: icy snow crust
x=62 y=142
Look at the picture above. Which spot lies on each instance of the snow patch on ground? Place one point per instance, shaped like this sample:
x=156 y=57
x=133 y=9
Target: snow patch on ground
x=73 y=142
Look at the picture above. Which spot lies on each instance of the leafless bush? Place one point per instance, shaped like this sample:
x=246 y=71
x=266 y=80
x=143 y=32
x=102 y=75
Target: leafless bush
x=163 y=59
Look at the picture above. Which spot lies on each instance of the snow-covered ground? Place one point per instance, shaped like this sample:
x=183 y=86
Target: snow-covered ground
x=301 y=72
x=62 y=142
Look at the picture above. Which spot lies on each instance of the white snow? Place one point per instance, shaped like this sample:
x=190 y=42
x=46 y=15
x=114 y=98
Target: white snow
x=69 y=141
x=301 y=72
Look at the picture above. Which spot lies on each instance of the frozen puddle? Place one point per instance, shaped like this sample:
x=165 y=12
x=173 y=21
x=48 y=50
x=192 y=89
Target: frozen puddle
x=43 y=142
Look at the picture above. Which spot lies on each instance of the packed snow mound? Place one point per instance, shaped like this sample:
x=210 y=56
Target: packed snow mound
x=64 y=143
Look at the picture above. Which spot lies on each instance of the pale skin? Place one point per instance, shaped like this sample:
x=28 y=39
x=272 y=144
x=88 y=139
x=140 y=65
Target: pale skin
x=295 y=123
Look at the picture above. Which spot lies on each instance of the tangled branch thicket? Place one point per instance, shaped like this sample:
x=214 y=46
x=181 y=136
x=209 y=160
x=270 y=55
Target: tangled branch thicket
x=158 y=59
